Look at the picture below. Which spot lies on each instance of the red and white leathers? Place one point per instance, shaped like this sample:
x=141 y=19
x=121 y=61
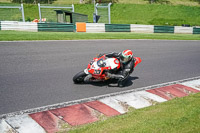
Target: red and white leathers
x=127 y=64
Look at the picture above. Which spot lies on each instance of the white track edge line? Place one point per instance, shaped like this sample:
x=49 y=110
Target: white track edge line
x=94 y=40
x=64 y=104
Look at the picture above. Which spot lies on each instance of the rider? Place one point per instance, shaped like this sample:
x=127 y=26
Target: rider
x=127 y=63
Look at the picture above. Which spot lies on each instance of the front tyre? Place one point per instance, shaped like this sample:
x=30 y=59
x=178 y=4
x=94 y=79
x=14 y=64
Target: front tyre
x=79 y=77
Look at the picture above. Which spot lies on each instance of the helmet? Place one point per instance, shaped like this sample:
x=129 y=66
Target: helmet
x=126 y=56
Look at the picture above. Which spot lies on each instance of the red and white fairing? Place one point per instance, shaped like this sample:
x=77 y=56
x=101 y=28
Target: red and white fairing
x=97 y=66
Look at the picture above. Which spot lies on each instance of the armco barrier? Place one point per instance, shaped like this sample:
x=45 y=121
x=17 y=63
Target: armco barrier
x=57 y=27
x=163 y=29
x=142 y=28
x=19 y=26
x=117 y=27
x=95 y=27
x=183 y=30
x=196 y=30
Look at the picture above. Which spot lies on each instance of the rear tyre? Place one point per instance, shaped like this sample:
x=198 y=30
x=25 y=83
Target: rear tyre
x=79 y=77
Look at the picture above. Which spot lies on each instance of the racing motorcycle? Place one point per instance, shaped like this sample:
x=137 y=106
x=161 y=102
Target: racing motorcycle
x=97 y=69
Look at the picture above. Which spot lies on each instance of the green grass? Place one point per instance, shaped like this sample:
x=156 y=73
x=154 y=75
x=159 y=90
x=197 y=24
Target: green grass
x=18 y=35
x=180 y=115
x=173 y=2
x=137 y=14
x=155 y=14
x=149 y=14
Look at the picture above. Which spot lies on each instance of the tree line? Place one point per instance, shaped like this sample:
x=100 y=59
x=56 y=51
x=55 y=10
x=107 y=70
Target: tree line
x=166 y=1
x=33 y=1
x=90 y=1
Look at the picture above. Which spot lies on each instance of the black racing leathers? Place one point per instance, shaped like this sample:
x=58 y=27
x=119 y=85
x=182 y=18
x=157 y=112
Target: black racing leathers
x=125 y=69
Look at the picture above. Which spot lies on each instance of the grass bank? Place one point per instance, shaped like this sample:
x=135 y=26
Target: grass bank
x=155 y=14
x=19 y=35
x=149 y=14
x=171 y=2
x=180 y=115
x=136 y=14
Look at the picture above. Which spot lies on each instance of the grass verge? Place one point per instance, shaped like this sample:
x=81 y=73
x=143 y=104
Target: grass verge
x=148 y=14
x=19 y=35
x=180 y=115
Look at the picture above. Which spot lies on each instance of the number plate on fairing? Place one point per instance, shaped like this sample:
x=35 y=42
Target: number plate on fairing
x=86 y=71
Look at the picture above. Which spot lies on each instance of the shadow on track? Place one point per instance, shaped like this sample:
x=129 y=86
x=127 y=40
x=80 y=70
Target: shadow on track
x=129 y=82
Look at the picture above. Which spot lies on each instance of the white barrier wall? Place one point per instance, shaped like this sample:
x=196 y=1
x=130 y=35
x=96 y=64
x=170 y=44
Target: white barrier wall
x=95 y=27
x=90 y=27
x=20 y=26
x=142 y=28
x=183 y=30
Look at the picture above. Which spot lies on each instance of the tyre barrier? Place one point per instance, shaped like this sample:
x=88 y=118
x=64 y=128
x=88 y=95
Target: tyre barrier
x=95 y=27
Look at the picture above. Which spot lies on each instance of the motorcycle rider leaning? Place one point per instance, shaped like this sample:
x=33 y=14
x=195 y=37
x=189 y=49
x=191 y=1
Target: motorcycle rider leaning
x=127 y=63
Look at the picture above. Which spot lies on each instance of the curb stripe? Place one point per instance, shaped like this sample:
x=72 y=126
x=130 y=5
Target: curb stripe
x=64 y=104
x=103 y=108
x=5 y=127
x=134 y=99
x=76 y=114
x=115 y=104
x=172 y=91
x=151 y=96
x=88 y=112
x=47 y=120
x=24 y=124
x=194 y=84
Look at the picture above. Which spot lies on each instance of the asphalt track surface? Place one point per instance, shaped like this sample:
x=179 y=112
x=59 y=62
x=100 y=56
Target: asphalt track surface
x=39 y=73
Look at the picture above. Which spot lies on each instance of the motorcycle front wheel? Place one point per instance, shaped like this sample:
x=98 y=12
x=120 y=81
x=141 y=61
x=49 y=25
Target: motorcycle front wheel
x=79 y=77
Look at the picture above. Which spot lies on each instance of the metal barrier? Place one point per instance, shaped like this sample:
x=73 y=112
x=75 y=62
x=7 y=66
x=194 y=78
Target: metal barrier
x=117 y=27
x=183 y=30
x=53 y=7
x=95 y=27
x=19 y=7
x=163 y=29
x=19 y=26
x=142 y=28
x=57 y=27
x=196 y=30
x=103 y=6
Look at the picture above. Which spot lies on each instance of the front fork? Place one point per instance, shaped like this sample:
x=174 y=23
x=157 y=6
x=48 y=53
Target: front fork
x=89 y=76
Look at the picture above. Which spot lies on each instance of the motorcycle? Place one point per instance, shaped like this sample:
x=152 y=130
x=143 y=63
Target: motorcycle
x=97 y=69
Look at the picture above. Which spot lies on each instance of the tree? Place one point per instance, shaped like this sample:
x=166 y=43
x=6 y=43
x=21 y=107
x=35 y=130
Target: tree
x=101 y=1
x=158 y=1
x=196 y=1
x=33 y=1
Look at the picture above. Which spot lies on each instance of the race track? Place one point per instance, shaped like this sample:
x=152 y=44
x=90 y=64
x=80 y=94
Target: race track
x=39 y=73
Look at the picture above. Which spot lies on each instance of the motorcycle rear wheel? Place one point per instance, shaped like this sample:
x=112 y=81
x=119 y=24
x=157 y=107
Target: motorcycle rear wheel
x=79 y=77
